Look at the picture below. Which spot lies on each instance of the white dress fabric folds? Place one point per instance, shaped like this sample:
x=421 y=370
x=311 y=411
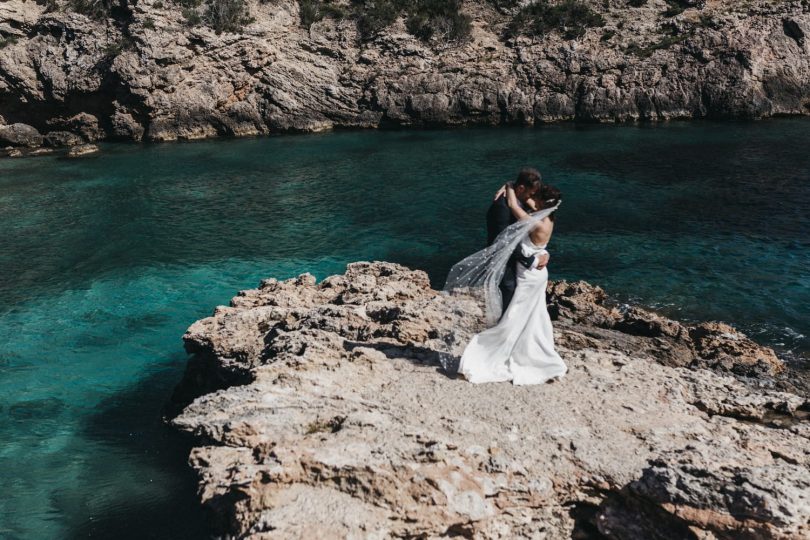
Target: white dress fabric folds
x=520 y=348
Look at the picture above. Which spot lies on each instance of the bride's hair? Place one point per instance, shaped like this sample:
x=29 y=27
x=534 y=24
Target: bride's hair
x=546 y=197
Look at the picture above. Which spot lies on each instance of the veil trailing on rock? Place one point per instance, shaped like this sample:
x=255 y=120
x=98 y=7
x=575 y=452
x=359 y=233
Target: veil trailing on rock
x=481 y=273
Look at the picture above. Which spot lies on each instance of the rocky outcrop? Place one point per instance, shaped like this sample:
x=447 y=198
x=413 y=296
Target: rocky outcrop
x=331 y=410
x=583 y=307
x=63 y=138
x=145 y=73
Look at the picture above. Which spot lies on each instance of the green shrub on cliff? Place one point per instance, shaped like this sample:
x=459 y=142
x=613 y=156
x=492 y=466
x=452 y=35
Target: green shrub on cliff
x=312 y=11
x=438 y=21
x=570 y=18
x=5 y=41
x=112 y=50
x=192 y=17
x=227 y=15
x=676 y=7
x=374 y=15
x=221 y=15
x=95 y=9
x=506 y=6
x=673 y=35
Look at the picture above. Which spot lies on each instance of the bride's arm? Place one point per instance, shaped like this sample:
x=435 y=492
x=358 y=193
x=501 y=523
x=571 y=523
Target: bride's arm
x=514 y=204
x=536 y=260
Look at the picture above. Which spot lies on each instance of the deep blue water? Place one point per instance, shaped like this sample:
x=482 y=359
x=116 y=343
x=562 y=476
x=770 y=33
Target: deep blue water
x=105 y=261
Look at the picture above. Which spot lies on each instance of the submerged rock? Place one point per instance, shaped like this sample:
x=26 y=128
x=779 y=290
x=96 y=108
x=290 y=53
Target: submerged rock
x=330 y=409
x=82 y=150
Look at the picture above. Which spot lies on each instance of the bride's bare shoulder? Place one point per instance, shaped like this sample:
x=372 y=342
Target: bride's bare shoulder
x=547 y=223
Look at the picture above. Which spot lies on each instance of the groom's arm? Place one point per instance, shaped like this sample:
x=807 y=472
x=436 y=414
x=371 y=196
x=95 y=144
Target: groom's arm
x=499 y=218
x=541 y=260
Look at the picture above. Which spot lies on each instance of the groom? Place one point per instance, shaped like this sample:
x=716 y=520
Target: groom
x=499 y=217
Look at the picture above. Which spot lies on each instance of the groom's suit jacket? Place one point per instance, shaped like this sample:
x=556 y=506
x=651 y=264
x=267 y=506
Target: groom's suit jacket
x=499 y=217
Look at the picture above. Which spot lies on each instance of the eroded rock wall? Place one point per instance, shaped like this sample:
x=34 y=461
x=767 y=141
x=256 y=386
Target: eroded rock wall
x=146 y=74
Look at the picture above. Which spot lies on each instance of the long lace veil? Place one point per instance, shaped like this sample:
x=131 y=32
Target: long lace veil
x=481 y=273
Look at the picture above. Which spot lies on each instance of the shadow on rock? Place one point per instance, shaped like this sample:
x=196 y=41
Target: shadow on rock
x=447 y=364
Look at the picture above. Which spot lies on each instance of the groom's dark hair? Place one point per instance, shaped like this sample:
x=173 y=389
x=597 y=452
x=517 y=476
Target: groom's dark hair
x=528 y=178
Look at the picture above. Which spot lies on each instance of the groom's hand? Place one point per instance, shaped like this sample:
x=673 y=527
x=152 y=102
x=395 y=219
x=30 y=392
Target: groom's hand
x=541 y=261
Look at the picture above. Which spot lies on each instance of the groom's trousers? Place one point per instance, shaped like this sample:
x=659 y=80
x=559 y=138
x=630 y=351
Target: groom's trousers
x=508 y=284
x=509 y=281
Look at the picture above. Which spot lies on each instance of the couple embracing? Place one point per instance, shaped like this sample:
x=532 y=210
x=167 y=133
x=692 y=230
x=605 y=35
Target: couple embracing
x=511 y=274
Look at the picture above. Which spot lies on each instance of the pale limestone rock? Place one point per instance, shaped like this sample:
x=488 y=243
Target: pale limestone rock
x=326 y=412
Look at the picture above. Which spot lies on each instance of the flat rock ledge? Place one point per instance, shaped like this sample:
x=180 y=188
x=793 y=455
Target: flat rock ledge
x=330 y=410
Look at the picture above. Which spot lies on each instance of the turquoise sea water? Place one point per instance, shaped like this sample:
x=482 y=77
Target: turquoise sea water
x=105 y=261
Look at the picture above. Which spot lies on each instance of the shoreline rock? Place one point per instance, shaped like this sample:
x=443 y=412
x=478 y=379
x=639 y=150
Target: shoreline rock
x=20 y=135
x=705 y=345
x=328 y=409
x=82 y=150
x=145 y=74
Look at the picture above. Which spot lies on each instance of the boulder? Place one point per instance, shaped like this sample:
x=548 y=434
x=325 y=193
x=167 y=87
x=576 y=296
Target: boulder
x=62 y=138
x=719 y=345
x=85 y=125
x=581 y=302
x=20 y=135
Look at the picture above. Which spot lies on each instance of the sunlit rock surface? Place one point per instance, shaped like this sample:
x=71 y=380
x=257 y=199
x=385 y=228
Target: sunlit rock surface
x=326 y=412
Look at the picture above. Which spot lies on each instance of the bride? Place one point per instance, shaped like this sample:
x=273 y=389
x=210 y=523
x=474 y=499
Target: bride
x=518 y=346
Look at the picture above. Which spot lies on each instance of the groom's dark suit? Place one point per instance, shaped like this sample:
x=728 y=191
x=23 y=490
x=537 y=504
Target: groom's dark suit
x=499 y=217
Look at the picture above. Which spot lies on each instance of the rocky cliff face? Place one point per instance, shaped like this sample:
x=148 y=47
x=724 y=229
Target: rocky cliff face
x=144 y=73
x=330 y=410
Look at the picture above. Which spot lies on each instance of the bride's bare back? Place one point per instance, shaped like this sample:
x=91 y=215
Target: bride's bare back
x=541 y=234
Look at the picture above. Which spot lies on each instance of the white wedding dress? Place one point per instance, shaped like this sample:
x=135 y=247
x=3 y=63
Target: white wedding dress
x=520 y=348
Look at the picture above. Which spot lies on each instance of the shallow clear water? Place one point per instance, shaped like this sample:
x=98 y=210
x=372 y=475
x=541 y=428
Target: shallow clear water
x=105 y=261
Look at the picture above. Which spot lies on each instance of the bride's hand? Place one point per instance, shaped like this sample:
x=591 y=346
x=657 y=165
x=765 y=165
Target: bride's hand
x=512 y=201
x=501 y=192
